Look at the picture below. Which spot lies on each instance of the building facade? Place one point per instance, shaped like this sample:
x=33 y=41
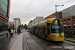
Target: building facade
x=68 y=12
x=68 y=17
x=38 y=19
x=4 y=14
x=68 y=22
x=10 y=25
x=17 y=22
x=30 y=23
x=54 y=15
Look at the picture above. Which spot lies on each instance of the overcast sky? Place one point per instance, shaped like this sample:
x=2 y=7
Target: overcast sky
x=27 y=10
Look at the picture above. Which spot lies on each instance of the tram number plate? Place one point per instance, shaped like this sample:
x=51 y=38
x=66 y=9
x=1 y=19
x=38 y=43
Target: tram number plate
x=60 y=36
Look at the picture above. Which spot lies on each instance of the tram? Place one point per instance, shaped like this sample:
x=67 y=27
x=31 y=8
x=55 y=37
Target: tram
x=50 y=29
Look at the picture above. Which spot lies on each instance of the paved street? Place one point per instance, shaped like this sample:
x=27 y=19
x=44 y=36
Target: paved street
x=27 y=41
x=7 y=42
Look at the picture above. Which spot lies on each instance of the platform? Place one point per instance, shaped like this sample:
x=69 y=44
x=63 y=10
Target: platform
x=25 y=42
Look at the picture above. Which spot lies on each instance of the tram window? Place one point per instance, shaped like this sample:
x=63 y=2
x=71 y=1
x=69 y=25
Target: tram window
x=43 y=30
x=56 y=26
x=48 y=28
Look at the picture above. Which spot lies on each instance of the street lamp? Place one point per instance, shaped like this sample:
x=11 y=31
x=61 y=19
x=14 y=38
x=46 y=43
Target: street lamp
x=56 y=9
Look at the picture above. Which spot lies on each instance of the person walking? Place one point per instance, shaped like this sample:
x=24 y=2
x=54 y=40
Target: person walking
x=9 y=30
x=18 y=30
x=15 y=31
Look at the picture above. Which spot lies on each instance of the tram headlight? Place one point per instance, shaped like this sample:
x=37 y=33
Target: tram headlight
x=53 y=36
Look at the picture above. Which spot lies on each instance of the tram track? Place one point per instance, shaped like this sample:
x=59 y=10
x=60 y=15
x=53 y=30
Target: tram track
x=69 y=40
x=25 y=43
x=29 y=43
x=71 y=43
x=67 y=46
x=38 y=43
x=48 y=44
x=64 y=44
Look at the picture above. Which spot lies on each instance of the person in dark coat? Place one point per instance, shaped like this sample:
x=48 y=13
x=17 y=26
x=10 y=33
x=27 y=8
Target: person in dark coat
x=18 y=30
x=9 y=30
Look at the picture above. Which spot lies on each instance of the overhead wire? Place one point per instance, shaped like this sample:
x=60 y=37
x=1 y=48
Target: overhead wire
x=46 y=6
x=24 y=21
x=29 y=8
x=41 y=10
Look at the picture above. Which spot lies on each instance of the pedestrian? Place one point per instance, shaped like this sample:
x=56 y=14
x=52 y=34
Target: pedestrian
x=18 y=30
x=9 y=30
x=15 y=30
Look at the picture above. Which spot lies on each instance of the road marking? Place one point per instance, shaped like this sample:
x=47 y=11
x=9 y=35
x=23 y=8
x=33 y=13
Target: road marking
x=14 y=46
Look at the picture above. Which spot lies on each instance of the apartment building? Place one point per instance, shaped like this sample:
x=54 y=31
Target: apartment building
x=38 y=19
x=54 y=15
x=17 y=22
x=10 y=25
x=68 y=17
x=4 y=14
x=68 y=22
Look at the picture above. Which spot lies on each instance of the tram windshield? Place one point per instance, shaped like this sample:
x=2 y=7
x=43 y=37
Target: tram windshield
x=56 y=27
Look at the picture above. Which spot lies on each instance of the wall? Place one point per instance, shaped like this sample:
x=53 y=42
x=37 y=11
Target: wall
x=16 y=23
x=54 y=15
x=4 y=6
x=68 y=12
x=38 y=19
x=3 y=15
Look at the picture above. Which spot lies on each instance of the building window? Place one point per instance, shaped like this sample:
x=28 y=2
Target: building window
x=69 y=23
x=65 y=27
x=68 y=19
x=3 y=25
x=73 y=26
x=64 y=20
x=69 y=27
x=64 y=24
x=73 y=18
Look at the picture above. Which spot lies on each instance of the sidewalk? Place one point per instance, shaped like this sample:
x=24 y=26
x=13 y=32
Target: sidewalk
x=3 y=34
x=25 y=42
x=6 y=42
x=29 y=43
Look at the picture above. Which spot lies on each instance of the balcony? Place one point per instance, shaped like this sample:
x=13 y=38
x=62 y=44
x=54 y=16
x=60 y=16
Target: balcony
x=68 y=25
x=73 y=24
x=64 y=25
x=65 y=22
x=69 y=21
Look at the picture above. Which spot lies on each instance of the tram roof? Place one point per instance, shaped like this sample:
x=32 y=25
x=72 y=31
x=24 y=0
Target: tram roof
x=47 y=20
